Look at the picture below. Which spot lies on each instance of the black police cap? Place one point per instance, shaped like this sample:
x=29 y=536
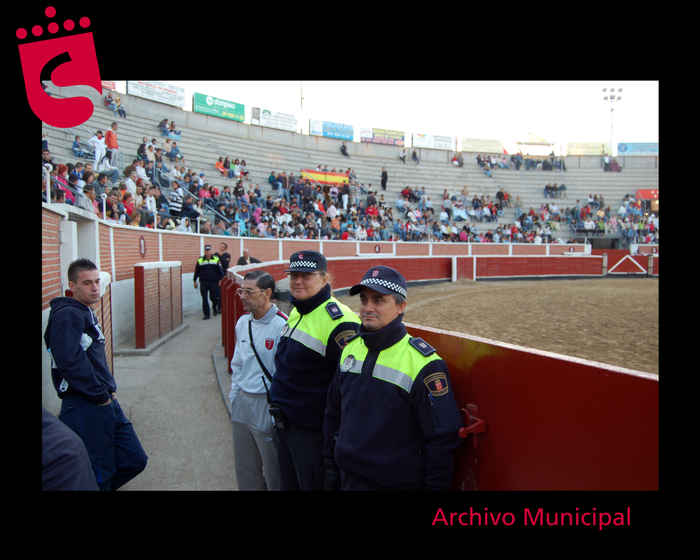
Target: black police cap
x=307 y=261
x=382 y=279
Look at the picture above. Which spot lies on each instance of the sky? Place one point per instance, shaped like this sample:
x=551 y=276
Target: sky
x=557 y=111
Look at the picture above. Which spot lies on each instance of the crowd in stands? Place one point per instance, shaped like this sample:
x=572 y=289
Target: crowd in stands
x=488 y=163
x=591 y=217
x=158 y=190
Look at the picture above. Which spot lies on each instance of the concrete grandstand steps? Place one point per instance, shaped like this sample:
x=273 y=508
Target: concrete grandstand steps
x=201 y=149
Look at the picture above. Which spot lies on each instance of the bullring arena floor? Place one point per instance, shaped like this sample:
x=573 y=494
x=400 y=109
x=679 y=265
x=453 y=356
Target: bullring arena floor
x=609 y=320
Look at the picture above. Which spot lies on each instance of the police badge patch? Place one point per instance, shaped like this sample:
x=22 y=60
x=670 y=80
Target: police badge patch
x=347 y=363
x=436 y=383
x=343 y=337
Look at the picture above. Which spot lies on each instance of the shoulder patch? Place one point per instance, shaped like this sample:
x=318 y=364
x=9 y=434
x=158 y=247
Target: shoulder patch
x=436 y=383
x=334 y=310
x=343 y=337
x=421 y=345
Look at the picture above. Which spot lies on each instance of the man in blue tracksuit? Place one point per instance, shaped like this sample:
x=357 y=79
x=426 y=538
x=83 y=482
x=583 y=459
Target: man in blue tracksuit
x=84 y=382
x=391 y=420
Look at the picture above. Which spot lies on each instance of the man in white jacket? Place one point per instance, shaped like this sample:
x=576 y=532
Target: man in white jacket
x=255 y=455
x=98 y=144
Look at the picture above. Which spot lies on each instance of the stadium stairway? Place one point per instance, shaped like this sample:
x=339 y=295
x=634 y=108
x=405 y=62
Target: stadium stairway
x=202 y=148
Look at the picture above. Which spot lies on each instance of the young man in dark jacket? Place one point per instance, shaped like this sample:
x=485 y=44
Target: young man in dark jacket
x=84 y=382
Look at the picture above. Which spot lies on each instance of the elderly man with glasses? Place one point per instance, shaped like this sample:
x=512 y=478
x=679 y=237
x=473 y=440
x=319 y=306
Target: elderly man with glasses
x=252 y=369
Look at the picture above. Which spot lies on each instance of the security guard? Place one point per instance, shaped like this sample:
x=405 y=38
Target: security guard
x=306 y=360
x=209 y=270
x=391 y=421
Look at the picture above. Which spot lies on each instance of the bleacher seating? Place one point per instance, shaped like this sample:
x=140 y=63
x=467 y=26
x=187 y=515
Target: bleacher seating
x=202 y=146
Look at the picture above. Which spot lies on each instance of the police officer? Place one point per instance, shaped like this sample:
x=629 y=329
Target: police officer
x=307 y=357
x=391 y=421
x=209 y=270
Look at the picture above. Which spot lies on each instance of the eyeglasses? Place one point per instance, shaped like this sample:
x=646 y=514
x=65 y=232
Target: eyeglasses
x=247 y=292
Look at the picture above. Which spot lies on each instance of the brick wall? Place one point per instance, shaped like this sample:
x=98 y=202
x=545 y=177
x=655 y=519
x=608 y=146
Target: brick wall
x=127 y=250
x=103 y=310
x=183 y=248
x=157 y=302
x=50 y=257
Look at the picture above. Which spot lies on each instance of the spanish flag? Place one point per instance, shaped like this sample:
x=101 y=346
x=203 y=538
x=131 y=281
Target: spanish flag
x=325 y=178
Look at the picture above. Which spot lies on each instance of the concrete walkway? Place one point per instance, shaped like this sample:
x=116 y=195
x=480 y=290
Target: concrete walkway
x=176 y=398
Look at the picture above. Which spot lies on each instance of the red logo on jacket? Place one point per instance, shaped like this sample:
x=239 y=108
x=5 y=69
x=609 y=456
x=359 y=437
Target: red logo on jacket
x=269 y=343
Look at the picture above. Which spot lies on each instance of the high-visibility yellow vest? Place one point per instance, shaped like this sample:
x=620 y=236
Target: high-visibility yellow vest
x=313 y=329
x=399 y=364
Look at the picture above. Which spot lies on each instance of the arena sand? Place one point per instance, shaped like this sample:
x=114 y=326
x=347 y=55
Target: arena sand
x=610 y=320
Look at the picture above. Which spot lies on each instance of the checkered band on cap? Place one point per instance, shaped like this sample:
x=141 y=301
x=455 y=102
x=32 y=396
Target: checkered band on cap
x=302 y=264
x=369 y=282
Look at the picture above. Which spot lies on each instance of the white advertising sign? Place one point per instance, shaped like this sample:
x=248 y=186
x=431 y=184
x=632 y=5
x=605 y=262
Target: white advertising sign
x=161 y=92
x=265 y=117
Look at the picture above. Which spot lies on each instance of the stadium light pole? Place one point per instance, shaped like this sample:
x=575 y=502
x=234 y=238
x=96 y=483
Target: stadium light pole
x=612 y=97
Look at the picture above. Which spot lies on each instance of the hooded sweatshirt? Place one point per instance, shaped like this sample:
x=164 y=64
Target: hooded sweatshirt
x=76 y=344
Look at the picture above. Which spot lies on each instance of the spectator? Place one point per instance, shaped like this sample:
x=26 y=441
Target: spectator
x=344 y=150
x=245 y=259
x=61 y=181
x=414 y=156
x=78 y=149
x=177 y=196
x=97 y=143
x=384 y=178
x=174 y=154
x=163 y=127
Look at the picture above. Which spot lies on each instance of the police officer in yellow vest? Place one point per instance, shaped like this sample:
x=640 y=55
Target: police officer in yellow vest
x=210 y=272
x=391 y=420
x=306 y=359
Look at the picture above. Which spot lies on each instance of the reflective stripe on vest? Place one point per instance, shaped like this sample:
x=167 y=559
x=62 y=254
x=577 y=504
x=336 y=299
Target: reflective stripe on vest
x=314 y=328
x=213 y=260
x=399 y=364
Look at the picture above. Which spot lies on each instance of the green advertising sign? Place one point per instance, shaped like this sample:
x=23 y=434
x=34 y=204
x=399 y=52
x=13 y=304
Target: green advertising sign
x=208 y=105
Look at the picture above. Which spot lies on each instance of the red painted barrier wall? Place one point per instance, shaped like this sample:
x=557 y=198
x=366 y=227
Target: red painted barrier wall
x=552 y=422
x=506 y=267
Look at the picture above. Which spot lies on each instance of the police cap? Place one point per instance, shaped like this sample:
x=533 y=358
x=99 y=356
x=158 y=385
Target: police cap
x=382 y=279
x=307 y=261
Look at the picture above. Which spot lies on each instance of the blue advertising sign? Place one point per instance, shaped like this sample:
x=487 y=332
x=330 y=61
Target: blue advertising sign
x=331 y=130
x=638 y=148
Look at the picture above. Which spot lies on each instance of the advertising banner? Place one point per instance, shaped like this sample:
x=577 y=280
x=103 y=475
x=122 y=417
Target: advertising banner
x=480 y=145
x=647 y=194
x=586 y=148
x=265 y=117
x=324 y=177
x=382 y=136
x=435 y=142
x=208 y=105
x=331 y=130
x=638 y=148
x=158 y=91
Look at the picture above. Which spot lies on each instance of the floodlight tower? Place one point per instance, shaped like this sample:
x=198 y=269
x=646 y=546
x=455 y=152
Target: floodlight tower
x=612 y=96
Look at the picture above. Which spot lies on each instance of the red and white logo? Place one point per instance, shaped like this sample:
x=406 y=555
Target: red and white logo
x=269 y=343
x=301 y=256
x=375 y=273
